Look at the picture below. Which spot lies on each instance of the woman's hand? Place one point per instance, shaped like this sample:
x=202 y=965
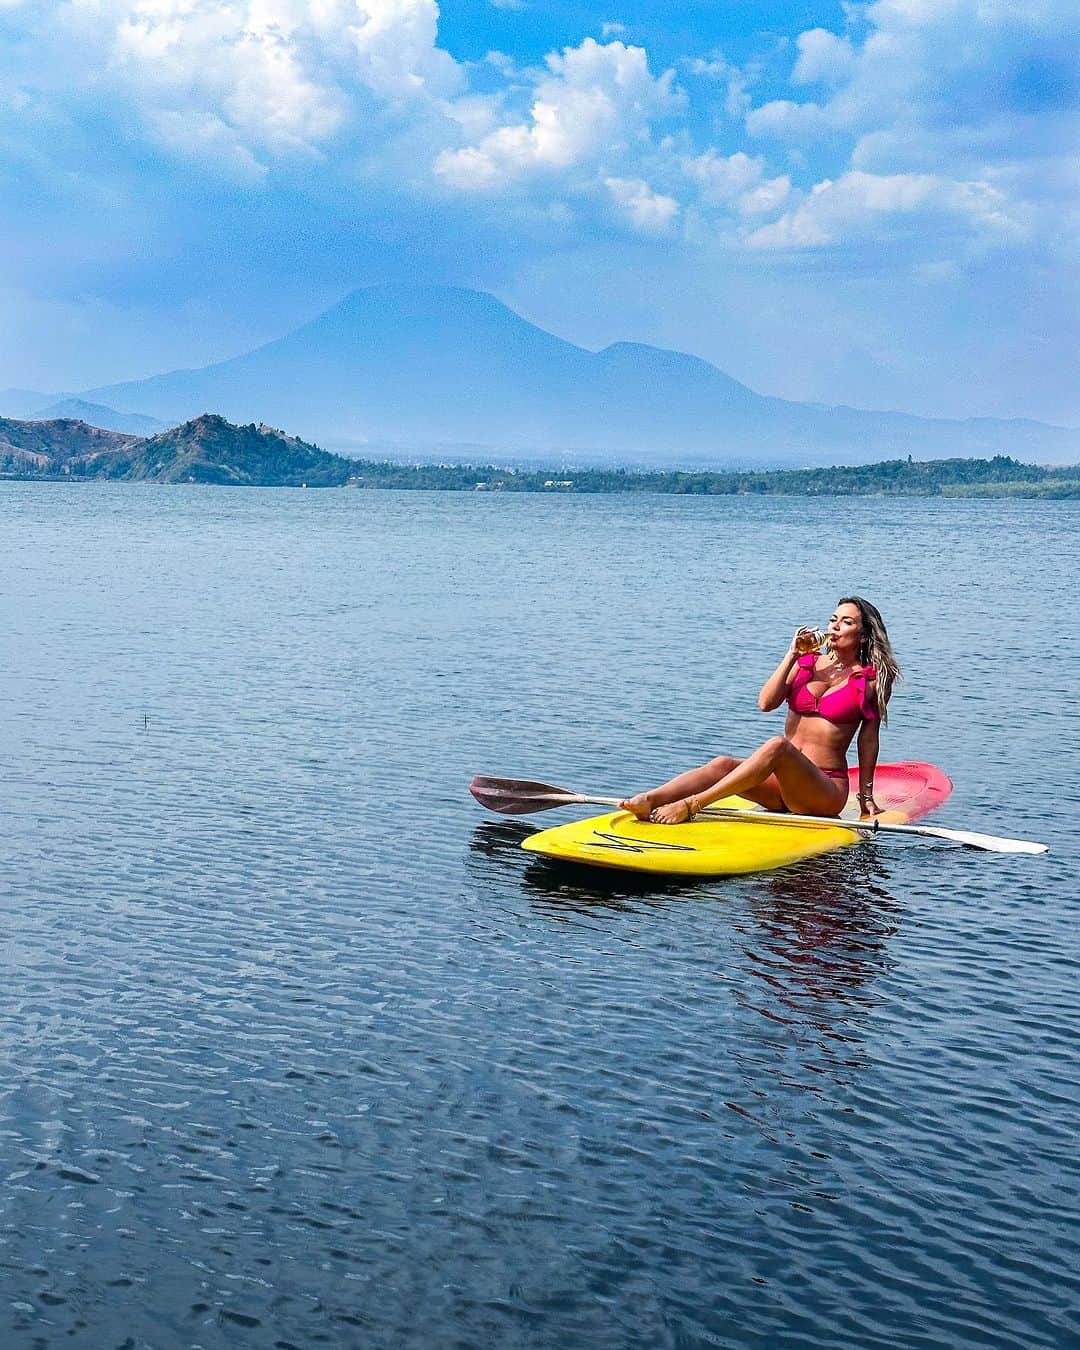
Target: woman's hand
x=804 y=631
x=774 y=690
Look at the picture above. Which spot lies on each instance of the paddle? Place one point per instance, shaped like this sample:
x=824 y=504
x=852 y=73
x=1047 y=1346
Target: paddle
x=521 y=797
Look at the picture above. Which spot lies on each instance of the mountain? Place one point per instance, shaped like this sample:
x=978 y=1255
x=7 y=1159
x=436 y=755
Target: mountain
x=137 y=424
x=435 y=367
x=205 y=450
x=24 y=402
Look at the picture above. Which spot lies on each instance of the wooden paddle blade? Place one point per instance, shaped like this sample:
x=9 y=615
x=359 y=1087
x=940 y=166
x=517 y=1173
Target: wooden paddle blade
x=518 y=796
x=518 y=786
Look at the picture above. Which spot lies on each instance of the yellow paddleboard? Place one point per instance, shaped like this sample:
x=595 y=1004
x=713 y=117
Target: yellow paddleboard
x=709 y=848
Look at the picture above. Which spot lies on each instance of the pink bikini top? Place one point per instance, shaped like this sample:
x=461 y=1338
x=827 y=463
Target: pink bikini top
x=849 y=703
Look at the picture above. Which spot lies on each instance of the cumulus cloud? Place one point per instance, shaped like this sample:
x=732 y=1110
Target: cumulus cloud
x=648 y=211
x=240 y=83
x=824 y=57
x=361 y=88
x=736 y=82
x=960 y=92
x=596 y=102
x=737 y=180
x=786 y=120
x=857 y=202
x=931 y=70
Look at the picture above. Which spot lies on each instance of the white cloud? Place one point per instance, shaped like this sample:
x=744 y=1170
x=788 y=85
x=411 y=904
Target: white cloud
x=237 y=88
x=395 y=43
x=823 y=57
x=648 y=211
x=737 y=99
x=206 y=138
x=960 y=92
x=768 y=196
x=470 y=168
x=738 y=181
x=858 y=202
x=787 y=121
x=596 y=102
x=274 y=77
x=933 y=67
x=724 y=178
x=503 y=63
x=474 y=114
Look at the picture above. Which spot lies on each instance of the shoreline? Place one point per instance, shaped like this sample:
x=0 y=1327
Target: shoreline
x=211 y=450
x=947 y=479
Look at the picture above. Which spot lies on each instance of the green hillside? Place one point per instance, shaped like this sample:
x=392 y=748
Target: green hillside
x=211 y=450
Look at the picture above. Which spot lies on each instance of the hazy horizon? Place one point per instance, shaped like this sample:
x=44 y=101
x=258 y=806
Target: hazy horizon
x=427 y=366
x=79 y=394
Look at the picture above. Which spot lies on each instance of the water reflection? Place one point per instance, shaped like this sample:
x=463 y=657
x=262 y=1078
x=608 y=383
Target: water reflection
x=816 y=948
x=497 y=838
x=561 y=889
x=803 y=950
x=826 y=923
x=829 y=914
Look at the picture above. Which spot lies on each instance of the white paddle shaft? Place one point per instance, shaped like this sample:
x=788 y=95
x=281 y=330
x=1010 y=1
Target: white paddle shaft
x=990 y=842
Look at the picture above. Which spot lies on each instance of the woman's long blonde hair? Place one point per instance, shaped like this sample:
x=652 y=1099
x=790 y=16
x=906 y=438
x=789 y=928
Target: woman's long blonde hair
x=875 y=650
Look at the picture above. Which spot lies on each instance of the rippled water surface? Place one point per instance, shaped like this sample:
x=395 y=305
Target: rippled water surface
x=299 y=1048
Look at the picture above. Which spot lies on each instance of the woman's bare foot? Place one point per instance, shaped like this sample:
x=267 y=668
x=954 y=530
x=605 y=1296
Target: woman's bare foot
x=640 y=806
x=672 y=814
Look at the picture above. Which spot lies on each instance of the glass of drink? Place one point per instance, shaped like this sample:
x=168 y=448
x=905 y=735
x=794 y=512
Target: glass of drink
x=809 y=639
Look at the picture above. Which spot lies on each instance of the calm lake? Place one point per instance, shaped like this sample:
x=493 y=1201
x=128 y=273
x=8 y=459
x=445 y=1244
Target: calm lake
x=301 y=1049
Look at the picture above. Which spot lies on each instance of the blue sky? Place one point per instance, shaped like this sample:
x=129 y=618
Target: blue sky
x=872 y=204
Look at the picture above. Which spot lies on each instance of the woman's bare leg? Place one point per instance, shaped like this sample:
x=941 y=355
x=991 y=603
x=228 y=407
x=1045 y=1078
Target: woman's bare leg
x=804 y=789
x=685 y=785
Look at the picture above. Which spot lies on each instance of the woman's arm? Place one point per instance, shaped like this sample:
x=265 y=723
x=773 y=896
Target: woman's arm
x=774 y=690
x=869 y=740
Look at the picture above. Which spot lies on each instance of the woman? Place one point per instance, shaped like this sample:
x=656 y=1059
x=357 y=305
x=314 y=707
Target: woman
x=804 y=771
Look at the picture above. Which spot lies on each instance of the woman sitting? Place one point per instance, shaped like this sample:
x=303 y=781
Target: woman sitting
x=830 y=697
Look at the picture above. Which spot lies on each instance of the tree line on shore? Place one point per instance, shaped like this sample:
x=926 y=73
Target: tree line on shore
x=1000 y=476
x=210 y=450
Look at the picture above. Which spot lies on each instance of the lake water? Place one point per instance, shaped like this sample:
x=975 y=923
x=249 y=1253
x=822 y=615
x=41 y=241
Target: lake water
x=299 y=1048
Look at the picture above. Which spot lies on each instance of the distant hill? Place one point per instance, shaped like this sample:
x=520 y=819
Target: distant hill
x=23 y=403
x=61 y=446
x=137 y=424
x=440 y=366
x=210 y=450
x=205 y=450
